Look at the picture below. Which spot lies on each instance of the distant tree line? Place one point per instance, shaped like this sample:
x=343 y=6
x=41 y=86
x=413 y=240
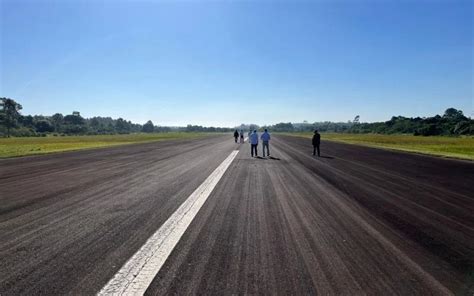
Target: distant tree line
x=198 y=128
x=13 y=123
x=452 y=122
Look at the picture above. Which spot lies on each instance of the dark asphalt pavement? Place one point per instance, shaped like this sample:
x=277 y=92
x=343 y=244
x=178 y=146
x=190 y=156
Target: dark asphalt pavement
x=355 y=221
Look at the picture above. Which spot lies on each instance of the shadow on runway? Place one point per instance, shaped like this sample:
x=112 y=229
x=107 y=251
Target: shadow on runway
x=265 y=158
x=328 y=157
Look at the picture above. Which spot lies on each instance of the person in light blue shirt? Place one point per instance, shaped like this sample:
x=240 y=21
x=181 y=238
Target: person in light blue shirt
x=265 y=140
x=253 y=139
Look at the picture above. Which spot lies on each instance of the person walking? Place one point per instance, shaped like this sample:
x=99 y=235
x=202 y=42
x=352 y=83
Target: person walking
x=254 y=142
x=265 y=142
x=241 y=136
x=316 y=142
x=236 y=135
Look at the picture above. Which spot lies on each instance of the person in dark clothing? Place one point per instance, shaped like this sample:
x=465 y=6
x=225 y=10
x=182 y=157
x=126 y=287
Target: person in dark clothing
x=316 y=142
x=236 y=135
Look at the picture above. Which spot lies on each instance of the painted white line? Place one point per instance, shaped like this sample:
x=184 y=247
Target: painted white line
x=137 y=274
x=246 y=138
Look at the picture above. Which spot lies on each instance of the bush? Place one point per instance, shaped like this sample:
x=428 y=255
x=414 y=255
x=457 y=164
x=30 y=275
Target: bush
x=428 y=130
x=463 y=128
x=44 y=126
x=23 y=132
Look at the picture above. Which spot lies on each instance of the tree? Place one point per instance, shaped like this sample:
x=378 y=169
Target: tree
x=94 y=122
x=10 y=113
x=454 y=114
x=57 y=120
x=122 y=126
x=74 y=124
x=148 y=127
x=253 y=127
x=283 y=127
x=74 y=119
x=26 y=121
x=43 y=126
x=356 y=119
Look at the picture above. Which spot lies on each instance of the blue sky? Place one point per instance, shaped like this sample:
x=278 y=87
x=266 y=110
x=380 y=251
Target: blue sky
x=223 y=63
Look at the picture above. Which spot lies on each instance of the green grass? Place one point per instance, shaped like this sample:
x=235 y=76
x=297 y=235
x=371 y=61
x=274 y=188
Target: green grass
x=456 y=147
x=13 y=147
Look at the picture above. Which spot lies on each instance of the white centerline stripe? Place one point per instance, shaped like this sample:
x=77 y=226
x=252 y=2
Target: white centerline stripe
x=137 y=274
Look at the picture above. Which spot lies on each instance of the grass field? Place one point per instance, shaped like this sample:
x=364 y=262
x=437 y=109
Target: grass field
x=441 y=146
x=13 y=147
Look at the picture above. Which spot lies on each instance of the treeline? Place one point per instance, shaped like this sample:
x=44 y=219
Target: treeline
x=13 y=123
x=199 y=128
x=452 y=122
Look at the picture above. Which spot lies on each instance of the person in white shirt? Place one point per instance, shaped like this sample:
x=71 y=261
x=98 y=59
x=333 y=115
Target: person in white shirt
x=265 y=140
x=253 y=139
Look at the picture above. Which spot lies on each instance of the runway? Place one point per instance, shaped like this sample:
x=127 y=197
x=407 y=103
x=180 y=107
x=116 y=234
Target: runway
x=355 y=221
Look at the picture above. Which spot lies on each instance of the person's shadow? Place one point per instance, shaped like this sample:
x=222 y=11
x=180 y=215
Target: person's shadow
x=328 y=157
x=270 y=157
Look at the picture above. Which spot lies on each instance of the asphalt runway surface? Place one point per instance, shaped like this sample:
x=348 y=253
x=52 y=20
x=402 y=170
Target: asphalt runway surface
x=355 y=221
